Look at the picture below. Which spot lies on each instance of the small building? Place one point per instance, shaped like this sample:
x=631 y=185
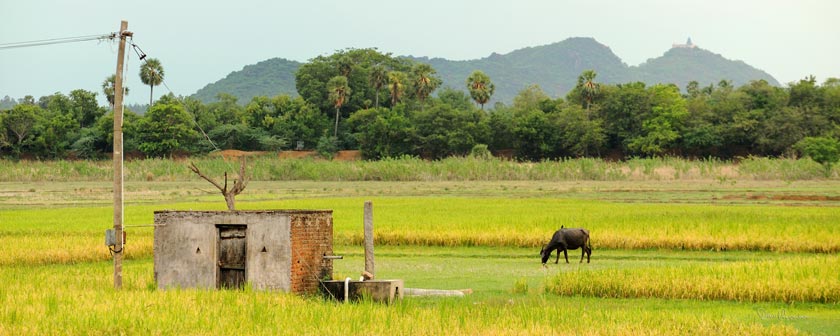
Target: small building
x=274 y=249
x=688 y=45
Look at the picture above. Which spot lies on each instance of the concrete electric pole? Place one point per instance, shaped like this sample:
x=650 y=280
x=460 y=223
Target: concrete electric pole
x=118 y=157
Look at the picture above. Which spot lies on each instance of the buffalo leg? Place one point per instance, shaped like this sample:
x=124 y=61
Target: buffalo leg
x=565 y=254
x=588 y=254
x=556 y=260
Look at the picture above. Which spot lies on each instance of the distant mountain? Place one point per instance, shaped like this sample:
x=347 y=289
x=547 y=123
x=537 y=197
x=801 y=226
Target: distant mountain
x=682 y=65
x=554 y=67
x=267 y=78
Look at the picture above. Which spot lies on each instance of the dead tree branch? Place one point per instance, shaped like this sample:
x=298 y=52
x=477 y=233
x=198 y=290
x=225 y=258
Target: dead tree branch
x=239 y=184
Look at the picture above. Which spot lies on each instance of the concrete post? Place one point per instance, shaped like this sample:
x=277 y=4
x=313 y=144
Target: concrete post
x=369 y=268
x=118 y=157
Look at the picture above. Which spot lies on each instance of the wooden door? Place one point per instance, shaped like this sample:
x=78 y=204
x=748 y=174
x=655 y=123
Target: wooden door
x=232 y=256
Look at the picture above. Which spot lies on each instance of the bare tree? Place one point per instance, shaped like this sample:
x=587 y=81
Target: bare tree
x=239 y=184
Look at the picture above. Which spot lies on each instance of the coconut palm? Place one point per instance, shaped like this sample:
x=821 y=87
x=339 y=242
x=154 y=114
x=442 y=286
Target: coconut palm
x=338 y=90
x=378 y=79
x=396 y=86
x=425 y=82
x=108 y=89
x=151 y=74
x=480 y=87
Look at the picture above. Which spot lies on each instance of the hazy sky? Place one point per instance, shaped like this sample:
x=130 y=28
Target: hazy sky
x=199 y=42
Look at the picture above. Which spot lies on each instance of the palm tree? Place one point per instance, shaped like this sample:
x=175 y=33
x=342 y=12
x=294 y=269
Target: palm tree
x=396 y=86
x=151 y=74
x=345 y=65
x=425 y=82
x=588 y=87
x=378 y=79
x=480 y=87
x=108 y=89
x=338 y=90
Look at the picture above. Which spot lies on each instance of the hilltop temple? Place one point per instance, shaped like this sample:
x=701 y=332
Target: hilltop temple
x=688 y=45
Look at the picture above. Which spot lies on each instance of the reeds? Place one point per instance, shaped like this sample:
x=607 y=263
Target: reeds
x=270 y=168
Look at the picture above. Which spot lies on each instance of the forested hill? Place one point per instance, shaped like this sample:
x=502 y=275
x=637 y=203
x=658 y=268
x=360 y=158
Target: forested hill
x=267 y=78
x=555 y=67
x=682 y=65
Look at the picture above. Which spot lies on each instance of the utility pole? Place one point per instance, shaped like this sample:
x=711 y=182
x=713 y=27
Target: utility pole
x=118 y=157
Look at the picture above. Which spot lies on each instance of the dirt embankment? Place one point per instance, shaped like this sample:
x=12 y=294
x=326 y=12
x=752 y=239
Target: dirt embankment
x=232 y=154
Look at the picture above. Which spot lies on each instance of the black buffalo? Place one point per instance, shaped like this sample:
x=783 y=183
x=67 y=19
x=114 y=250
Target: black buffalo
x=567 y=239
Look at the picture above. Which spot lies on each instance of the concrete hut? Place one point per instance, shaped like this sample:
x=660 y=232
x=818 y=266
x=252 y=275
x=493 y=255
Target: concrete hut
x=273 y=249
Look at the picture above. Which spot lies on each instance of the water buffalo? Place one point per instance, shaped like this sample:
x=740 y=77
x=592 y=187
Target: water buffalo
x=567 y=239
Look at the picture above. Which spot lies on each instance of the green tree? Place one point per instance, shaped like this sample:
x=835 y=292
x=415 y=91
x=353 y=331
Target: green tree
x=396 y=86
x=311 y=78
x=103 y=132
x=662 y=128
x=345 y=65
x=823 y=150
x=224 y=111
x=536 y=135
x=693 y=89
x=338 y=93
x=579 y=134
x=84 y=107
x=530 y=98
x=424 y=81
x=301 y=122
x=166 y=128
x=151 y=74
x=805 y=92
x=500 y=125
x=383 y=133
x=238 y=136
x=378 y=79
x=480 y=87
x=19 y=124
x=55 y=134
x=108 y=89
x=444 y=131
x=588 y=87
x=622 y=111
x=457 y=99
x=261 y=112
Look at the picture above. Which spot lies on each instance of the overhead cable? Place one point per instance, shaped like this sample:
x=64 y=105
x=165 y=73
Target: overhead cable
x=36 y=43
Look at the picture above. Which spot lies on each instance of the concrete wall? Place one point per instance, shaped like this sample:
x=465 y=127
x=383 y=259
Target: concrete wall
x=186 y=248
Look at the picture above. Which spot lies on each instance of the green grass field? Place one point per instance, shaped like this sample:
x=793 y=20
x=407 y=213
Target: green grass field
x=703 y=257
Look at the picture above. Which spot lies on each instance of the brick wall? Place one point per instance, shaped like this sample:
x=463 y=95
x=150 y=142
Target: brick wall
x=312 y=237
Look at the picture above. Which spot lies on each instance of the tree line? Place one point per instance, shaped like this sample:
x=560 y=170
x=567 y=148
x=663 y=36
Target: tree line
x=386 y=106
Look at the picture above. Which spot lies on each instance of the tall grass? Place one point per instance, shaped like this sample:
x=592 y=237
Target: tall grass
x=270 y=168
x=811 y=279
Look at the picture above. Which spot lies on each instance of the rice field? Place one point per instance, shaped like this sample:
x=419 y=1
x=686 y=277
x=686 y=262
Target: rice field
x=704 y=257
x=78 y=299
x=805 y=279
x=53 y=237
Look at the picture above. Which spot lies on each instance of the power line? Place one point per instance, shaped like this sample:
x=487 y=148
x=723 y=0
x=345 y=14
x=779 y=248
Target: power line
x=37 y=43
